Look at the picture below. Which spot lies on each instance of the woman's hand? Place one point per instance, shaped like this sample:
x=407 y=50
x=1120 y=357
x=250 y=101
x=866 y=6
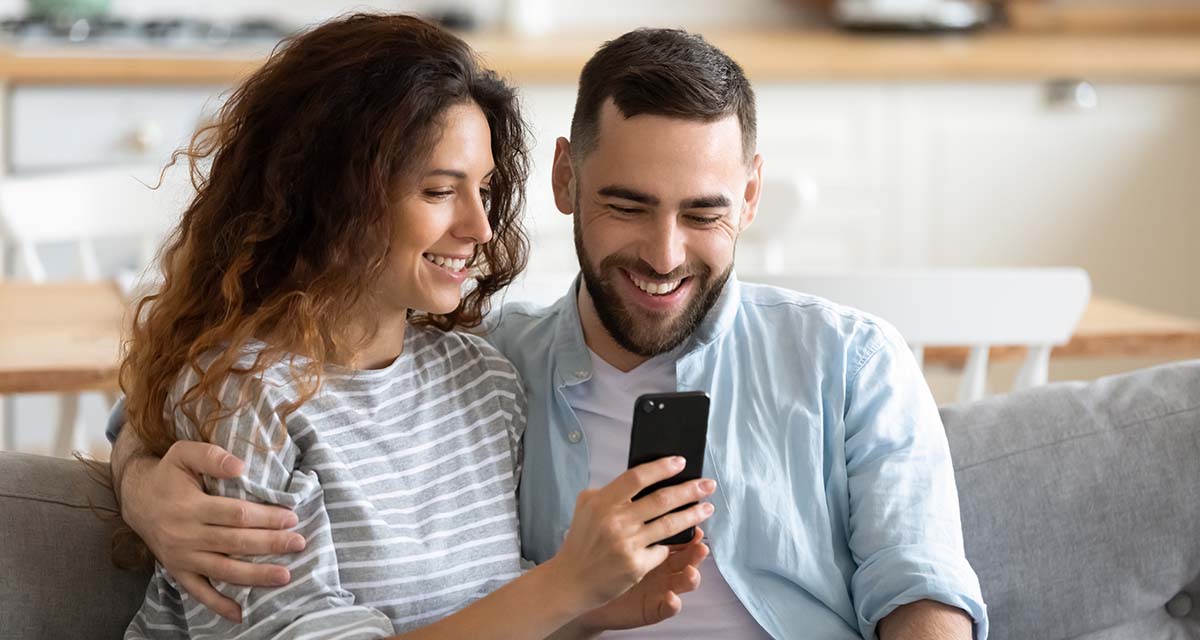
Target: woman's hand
x=610 y=545
x=656 y=597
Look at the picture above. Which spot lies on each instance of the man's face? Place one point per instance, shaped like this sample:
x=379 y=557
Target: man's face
x=658 y=204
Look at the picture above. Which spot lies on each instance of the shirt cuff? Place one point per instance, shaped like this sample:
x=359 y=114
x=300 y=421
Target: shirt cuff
x=902 y=575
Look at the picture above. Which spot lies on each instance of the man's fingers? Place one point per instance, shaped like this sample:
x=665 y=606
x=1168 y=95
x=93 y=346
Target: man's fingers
x=240 y=514
x=201 y=590
x=250 y=542
x=204 y=459
x=245 y=574
x=629 y=483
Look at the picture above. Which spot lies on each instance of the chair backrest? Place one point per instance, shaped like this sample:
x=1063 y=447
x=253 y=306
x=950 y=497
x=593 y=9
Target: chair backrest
x=80 y=207
x=538 y=287
x=978 y=308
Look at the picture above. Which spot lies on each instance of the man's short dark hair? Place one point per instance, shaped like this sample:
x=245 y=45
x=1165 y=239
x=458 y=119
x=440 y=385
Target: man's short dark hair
x=666 y=72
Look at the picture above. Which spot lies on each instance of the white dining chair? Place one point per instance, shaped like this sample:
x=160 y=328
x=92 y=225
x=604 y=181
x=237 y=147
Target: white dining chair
x=1038 y=308
x=80 y=209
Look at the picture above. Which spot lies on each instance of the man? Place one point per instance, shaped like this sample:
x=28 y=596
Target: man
x=836 y=511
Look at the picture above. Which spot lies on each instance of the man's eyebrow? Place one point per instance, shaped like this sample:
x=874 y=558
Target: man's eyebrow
x=625 y=193
x=705 y=202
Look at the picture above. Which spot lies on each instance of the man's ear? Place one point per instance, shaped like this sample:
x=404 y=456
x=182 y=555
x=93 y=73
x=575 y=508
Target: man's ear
x=752 y=194
x=562 y=177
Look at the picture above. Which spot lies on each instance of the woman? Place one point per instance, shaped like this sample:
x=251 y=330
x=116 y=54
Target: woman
x=306 y=325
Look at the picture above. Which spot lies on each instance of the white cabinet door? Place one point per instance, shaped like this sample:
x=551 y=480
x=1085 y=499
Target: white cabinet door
x=57 y=127
x=1001 y=175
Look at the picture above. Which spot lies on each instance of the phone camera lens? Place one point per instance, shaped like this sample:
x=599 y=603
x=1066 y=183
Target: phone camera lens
x=648 y=406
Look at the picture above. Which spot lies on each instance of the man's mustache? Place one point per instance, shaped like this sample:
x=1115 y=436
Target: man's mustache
x=644 y=271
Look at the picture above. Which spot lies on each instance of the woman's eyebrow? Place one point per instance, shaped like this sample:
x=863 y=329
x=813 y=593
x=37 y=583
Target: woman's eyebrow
x=453 y=173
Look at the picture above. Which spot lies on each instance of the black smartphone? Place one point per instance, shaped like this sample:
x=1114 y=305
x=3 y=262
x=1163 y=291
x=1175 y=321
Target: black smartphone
x=670 y=424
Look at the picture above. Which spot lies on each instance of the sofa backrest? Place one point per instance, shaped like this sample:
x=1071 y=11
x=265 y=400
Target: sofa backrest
x=1081 y=505
x=56 y=579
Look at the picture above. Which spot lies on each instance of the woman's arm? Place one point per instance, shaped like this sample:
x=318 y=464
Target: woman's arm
x=609 y=548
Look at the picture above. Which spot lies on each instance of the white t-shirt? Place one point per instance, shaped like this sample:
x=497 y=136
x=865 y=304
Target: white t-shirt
x=604 y=406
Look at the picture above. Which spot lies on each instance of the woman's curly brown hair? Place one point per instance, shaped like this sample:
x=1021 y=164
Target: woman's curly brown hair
x=296 y=185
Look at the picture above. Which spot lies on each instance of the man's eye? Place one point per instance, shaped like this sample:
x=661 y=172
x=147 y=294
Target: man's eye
x=704 y=219
x=623 y=209
x=486 y=196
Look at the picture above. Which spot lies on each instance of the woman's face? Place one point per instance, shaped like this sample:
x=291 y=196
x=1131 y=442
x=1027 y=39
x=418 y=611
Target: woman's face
x=442 y=218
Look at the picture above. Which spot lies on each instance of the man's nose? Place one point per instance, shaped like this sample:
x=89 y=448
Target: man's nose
x=662 y=248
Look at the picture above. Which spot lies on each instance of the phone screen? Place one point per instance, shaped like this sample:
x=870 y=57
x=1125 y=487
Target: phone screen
x=670 y=424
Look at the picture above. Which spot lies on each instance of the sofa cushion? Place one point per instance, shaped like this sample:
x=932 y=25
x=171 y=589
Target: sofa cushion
x=1081 y=505
x=56 y=579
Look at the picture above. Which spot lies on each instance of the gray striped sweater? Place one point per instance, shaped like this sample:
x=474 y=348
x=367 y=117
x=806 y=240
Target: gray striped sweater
x=404 y=483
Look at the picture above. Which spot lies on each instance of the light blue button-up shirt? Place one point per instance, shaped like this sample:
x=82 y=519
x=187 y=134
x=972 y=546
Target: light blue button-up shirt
x=836 y=500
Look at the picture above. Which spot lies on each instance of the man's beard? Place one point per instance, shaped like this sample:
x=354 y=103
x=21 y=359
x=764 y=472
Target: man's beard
x=643 y=333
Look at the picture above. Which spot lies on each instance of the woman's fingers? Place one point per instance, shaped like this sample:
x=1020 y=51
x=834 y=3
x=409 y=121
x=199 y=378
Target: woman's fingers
x=689 y=556
x=668 y=606
x=670 y=498
x=632 y=481
x=673 y=523
x=200 y=589
x=685 y=581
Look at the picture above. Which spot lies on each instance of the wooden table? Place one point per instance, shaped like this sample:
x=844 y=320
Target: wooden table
x=60 y=337
x=65 y=337
x=1107 y=328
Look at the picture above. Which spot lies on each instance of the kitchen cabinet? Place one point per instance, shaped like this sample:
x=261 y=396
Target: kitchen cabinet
x=53 y=128
x=1005 y=174
x=959 y=174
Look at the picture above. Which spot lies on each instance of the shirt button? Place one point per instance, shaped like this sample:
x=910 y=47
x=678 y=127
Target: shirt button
x=581 y=374
x=575 y=437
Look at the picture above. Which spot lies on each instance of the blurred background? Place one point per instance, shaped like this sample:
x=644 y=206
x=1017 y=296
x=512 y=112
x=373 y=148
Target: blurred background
x=897 y=135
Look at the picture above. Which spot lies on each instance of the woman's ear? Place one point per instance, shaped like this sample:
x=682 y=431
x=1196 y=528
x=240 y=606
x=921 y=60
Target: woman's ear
x=562 y=177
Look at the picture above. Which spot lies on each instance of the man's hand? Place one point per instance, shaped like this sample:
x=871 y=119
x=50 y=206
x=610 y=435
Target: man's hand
x=656 y=597
x=192 y=533
x=926 y=619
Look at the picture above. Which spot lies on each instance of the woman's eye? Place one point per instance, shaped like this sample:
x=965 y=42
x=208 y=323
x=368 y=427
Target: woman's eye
x=438 y=194
x=486 y=196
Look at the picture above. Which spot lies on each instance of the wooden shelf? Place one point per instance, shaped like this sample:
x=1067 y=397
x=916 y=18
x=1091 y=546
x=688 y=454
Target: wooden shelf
x=767 y=55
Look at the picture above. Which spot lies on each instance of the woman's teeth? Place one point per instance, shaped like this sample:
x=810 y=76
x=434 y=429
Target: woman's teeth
x=655 y=289
x=453 y=264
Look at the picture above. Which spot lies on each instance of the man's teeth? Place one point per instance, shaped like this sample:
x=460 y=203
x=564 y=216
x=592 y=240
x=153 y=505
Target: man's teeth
x=657 y=289
x=453 y=264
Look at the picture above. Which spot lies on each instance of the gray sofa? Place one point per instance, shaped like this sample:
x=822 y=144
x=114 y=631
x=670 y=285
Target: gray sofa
x=1080 y=506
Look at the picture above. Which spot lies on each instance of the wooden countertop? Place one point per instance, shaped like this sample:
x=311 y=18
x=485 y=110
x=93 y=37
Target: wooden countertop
x=767 y=55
